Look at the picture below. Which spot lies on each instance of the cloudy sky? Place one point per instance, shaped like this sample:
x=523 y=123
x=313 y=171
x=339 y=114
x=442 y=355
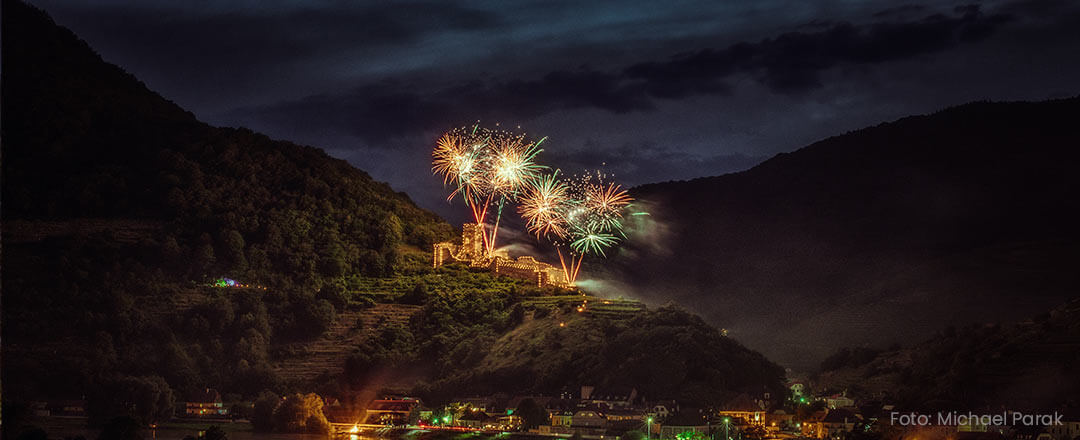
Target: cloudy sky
x=652 y=91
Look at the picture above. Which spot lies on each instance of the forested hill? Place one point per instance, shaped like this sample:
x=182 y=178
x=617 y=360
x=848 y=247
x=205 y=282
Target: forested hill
x=84 y=139
x=121 y=209
x=1029 y=364
x=884 y=234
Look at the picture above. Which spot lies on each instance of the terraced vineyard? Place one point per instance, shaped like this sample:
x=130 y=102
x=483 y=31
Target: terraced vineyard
x=588 y=305
x=304 y=362
x=175 y=305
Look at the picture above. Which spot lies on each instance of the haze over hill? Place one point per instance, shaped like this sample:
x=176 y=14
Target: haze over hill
x=880 y=235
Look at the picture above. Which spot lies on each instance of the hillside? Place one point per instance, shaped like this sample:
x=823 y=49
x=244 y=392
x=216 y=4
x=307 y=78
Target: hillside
x=881 y=235
x=665 y=353
x=1029 y=364
x=147 y=256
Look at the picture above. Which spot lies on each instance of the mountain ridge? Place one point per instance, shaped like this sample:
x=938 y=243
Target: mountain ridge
x=903 y=213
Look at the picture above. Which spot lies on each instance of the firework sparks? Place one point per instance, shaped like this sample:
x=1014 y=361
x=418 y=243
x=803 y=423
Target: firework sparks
x=486 y=167
x=490 y=168
x=583 y=215
x=593 y=242
x=542 y=207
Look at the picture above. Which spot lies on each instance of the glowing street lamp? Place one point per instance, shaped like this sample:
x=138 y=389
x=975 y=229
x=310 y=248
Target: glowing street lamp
x=648 y=433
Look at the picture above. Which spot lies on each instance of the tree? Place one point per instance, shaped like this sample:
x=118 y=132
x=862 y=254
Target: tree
x=690 y=435
x=32 y=433
x=301 y=413
x=532 y=414
x=390 y=231
x=804 y=412
x=262 y=415
x=121 y=428
x=234 y=251
x=144 y=398
x=334 y=294
x=215 y=433
x=316 y=316
x=415 y=296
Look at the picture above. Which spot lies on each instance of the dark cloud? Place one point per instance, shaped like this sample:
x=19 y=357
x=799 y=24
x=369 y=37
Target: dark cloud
x=648 y=161
x=391 y=109
x=790 y=63
x=902 y=10
x=225 y=49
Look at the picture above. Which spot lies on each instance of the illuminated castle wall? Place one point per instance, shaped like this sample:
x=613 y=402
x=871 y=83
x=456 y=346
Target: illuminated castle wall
x=472 y=251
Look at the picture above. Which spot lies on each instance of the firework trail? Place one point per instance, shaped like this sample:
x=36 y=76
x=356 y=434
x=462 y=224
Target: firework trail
x=583 y=215
x=486 y=167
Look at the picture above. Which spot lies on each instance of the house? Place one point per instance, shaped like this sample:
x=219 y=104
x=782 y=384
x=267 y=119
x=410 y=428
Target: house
x=391 y=411
x=744 y=411
x=839 y=401
x=561 y=418
x=66 y=408
x=609 y=397
x=39 y=408
x=779 y=420
x=839 y=421
x=1069 y=427
x=205 y=404
x=588 y=419
x=336 y=412
x=487 y=404
x=620 y=414
x=798 y=389
x=508 y=422
x=813 y=426
x=661 y=410
x=542 y=401
x=475 y=419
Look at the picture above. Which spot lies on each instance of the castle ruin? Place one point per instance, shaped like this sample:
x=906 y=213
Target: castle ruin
x=472 y=251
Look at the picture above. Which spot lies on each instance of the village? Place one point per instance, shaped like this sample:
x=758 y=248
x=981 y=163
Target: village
x=597 y=413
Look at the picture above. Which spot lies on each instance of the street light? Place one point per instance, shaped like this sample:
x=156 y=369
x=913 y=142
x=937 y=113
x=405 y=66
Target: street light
x=727 y=422
x=648 y=433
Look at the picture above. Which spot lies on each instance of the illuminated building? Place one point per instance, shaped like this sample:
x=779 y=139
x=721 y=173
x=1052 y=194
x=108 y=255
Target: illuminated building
x=839 y=401
x=472 y=251
x=838 y=422
x=1069 y=427
x=744 y=411
x=390 y=411
x=205 y=404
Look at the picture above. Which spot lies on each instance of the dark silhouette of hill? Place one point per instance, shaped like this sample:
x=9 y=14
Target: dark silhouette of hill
x=84 y=139
x=875 y=236
x=120 y=208
x=1030 y=365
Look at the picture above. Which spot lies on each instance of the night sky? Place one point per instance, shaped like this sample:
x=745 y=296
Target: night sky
x=655 y=90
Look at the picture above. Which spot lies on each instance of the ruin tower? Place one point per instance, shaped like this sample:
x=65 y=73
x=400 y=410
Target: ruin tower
x=472 y=242
x=471 y=248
